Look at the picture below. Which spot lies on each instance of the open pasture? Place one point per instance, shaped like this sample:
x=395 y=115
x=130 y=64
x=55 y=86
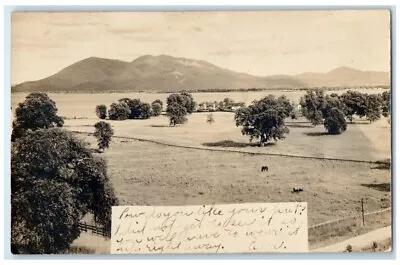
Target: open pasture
x=151 y=174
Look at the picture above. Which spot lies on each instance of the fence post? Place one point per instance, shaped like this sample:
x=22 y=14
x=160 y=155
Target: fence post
x=362 y=210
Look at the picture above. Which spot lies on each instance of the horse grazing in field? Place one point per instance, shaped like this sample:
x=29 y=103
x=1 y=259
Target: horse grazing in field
x=264 y=168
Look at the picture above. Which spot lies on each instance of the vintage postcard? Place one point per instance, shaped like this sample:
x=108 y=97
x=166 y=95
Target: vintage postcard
x=201 y=132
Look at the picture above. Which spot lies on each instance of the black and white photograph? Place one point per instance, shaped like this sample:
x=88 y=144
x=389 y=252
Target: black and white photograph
x=206 y=131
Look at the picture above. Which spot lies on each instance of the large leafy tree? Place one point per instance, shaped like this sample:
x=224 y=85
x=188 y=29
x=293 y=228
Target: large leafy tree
x=312 y=104
x=119 y=111
x=137 y=109
x=335 y=121
x=353 y=104
x=38 y=111
x=55 y=182
x=176 y=113
x=264 y=119
x=373 y=107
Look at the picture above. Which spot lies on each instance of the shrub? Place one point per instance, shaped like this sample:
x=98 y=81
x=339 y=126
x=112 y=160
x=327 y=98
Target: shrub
x=103 y=133
x=156 y=109
x=101 y=111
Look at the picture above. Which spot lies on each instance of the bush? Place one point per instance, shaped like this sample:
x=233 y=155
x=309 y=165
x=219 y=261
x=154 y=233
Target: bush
x=119 y=111
x=103 y=133
x=38 y=111
x=55 y=181
x=156 y=109
x=101 y=111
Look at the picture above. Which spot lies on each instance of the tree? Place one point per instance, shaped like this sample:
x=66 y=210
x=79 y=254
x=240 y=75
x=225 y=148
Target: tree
x=38 y=111
x=103 y=132
x=353 y=104
x=373 y=107
x=119 y=111
x=156 y=108
x=55 y=182
x=385 y=104
x=159 y=102
x=189 y=103
x=101 y=111
x=176 y=113
x=184 y=99
x=264 y=119
x=312 y=104
x=335 y=121
x=144 y=111
x=210 y=118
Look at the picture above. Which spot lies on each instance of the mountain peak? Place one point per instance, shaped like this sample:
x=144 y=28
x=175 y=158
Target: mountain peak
x=167 y=73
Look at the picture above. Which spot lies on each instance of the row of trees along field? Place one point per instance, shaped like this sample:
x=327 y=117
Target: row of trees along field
x=265 y=119
x=55 y=180
x=127 y=108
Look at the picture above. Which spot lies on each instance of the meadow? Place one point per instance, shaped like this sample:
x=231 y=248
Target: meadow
x=151 y=163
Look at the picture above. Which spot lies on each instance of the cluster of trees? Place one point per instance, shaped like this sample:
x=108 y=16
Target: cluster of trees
x=55 y=181
x=178 y=106
x=332 y=110
x=225 y=105
x=265 y=119
x=127 y=108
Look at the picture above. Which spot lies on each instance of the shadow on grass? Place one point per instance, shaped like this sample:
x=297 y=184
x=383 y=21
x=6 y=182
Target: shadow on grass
x=380 y=186
x=159 y=126
x=294 y=125
x=316 y=133
x=229 y=143
x=382 y=167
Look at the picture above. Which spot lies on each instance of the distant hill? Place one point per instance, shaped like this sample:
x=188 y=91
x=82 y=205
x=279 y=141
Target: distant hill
x=167 y=73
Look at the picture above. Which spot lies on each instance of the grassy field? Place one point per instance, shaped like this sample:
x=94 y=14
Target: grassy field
x=146 y=173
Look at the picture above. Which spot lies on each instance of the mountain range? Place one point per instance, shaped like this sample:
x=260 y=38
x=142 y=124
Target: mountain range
x=165 y=73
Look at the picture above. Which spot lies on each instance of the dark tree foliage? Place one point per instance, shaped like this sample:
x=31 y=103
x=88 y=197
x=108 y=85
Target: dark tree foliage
x=38 y=111
x=353 y=104
x=55 y=182
x=386 y=103
x=189 y=104
x=145 y=111
x=312 y=104
x=264 y=119
x=156 y=108
x=176 y=113
x=103 y=133
x=373 y=107
x=184 y=99
x=335 y=121
x=137 y=109
x=119 y=111
x=159 y=102
x=101 y=111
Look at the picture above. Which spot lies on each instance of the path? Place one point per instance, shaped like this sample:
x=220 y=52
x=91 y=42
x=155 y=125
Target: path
x=359 y=241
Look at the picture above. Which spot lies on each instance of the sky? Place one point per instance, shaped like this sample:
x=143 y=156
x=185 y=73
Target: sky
x=255 y=42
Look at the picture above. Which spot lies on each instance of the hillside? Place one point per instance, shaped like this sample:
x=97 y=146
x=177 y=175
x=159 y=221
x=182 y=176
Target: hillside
x=167 y=73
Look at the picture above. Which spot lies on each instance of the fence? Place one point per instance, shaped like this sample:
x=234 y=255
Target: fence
x=95 y=229
x=340 y=229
